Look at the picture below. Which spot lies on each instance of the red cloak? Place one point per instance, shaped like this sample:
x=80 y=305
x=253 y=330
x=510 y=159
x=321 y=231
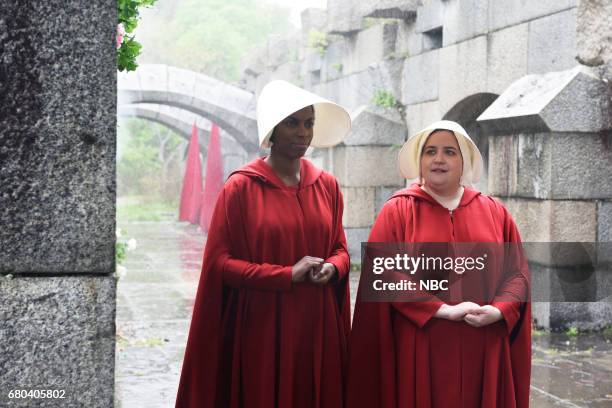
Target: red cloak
x=213 y=182
x=257 y=339
x=400 y=356
x=191 y=194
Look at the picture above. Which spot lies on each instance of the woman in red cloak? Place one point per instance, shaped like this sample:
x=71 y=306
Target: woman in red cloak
x=270 y=323
x=435 y=353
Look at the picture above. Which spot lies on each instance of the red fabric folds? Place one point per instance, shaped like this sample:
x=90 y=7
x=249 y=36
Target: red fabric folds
x=191 y=193
x=258 y=340
x=401 y=356
x=213 y=178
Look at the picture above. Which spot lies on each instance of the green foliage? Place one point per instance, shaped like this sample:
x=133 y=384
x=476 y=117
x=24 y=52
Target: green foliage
x=398 y=55
x=607 y=333
x=120 y=248
x=209 y=36
x=572 y=332
x=384 y=99
x=150 y=160
x=142 y=208
x=338 y=66
x=128 y=15
x=539 y=333
x=318 y=40
x=126 y=55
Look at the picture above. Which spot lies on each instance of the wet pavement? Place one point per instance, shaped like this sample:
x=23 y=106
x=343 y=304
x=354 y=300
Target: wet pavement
x=155 y=299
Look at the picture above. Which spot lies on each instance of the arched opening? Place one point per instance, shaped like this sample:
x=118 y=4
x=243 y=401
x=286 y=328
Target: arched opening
x=465 y=113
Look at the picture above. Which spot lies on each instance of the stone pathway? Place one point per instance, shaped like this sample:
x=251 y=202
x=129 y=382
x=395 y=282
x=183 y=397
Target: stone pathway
x=155 y=299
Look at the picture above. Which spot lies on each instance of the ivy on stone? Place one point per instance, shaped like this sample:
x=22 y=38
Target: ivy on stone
x=127 y=12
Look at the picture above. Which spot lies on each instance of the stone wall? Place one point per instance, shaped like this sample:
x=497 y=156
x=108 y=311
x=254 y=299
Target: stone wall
x=57 y=201
x=547 y=155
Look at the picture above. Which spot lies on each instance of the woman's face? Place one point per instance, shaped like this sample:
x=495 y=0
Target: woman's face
x=441 y=162
x=292 y=136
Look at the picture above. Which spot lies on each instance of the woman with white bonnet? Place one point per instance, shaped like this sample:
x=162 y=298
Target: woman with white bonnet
x=439 y=353
x=271 y=318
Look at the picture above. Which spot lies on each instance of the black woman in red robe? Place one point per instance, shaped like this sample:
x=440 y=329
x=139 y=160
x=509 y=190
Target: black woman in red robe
x=271 y=318
x=438 y=354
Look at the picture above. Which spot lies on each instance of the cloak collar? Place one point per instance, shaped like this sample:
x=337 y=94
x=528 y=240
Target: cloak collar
x=416 y=191
x=259 y=169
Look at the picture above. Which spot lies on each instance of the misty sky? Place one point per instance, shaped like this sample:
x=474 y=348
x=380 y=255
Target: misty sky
x=297 y=6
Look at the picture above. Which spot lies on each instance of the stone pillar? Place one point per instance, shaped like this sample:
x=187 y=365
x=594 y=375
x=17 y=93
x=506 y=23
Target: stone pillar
x=57 y=201
x=365 y=165
x=550 y=162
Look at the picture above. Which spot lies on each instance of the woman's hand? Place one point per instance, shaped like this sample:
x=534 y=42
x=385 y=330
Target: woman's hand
x=484 y=316
x=456 y=312
x=323 y=274
x=304 y=266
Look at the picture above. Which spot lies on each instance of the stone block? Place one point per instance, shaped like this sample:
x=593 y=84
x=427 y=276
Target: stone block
x=507 y=57
x=354 y=238
x=463 y=20
x=343 y=17
x=580 y=166
x=594 y=25
x=462 y=71
x=584 y=316
x=409 y=42
x=359 y=208
x=288 y=71
x=279 y=50
x=420 y=115
x=313 y=61
x=563 y=315
x=353 y=91
x=333 y=60
x=376 y=126
x=575 y=100
x=61 y=332
x=313 y=19
x=540 y=312
x=395 y=9
x=254 y=62
x=430 y=15
x=181 y=81
x=382 y=194
x=366 y=166
x=554 y=221
x=544 y=166
x=604 y=221
x=504 y=13
x=369 y=47
x=58 y=83
x=420 y=78
x=552 y=43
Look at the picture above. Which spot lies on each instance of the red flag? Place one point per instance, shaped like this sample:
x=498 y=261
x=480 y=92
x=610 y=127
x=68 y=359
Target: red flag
x=214 y=178
x=192 y=182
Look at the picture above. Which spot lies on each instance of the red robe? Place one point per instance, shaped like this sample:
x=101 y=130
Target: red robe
x=257 y=339
x=401 y=356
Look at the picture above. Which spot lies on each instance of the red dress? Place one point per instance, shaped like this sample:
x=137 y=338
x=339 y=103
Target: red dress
x=257 y=339
x=401 y=356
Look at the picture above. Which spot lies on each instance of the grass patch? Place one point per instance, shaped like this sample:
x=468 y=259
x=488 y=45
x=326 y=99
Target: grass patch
x=138 y=208
x=539 y=333
x=572 y=332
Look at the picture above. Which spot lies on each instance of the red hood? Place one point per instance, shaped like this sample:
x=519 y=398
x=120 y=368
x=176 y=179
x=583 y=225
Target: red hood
x=416 y=191
x=258 y=168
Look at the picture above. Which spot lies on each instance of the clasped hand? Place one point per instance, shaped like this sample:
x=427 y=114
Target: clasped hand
x=314 y=269
x=470 y=312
